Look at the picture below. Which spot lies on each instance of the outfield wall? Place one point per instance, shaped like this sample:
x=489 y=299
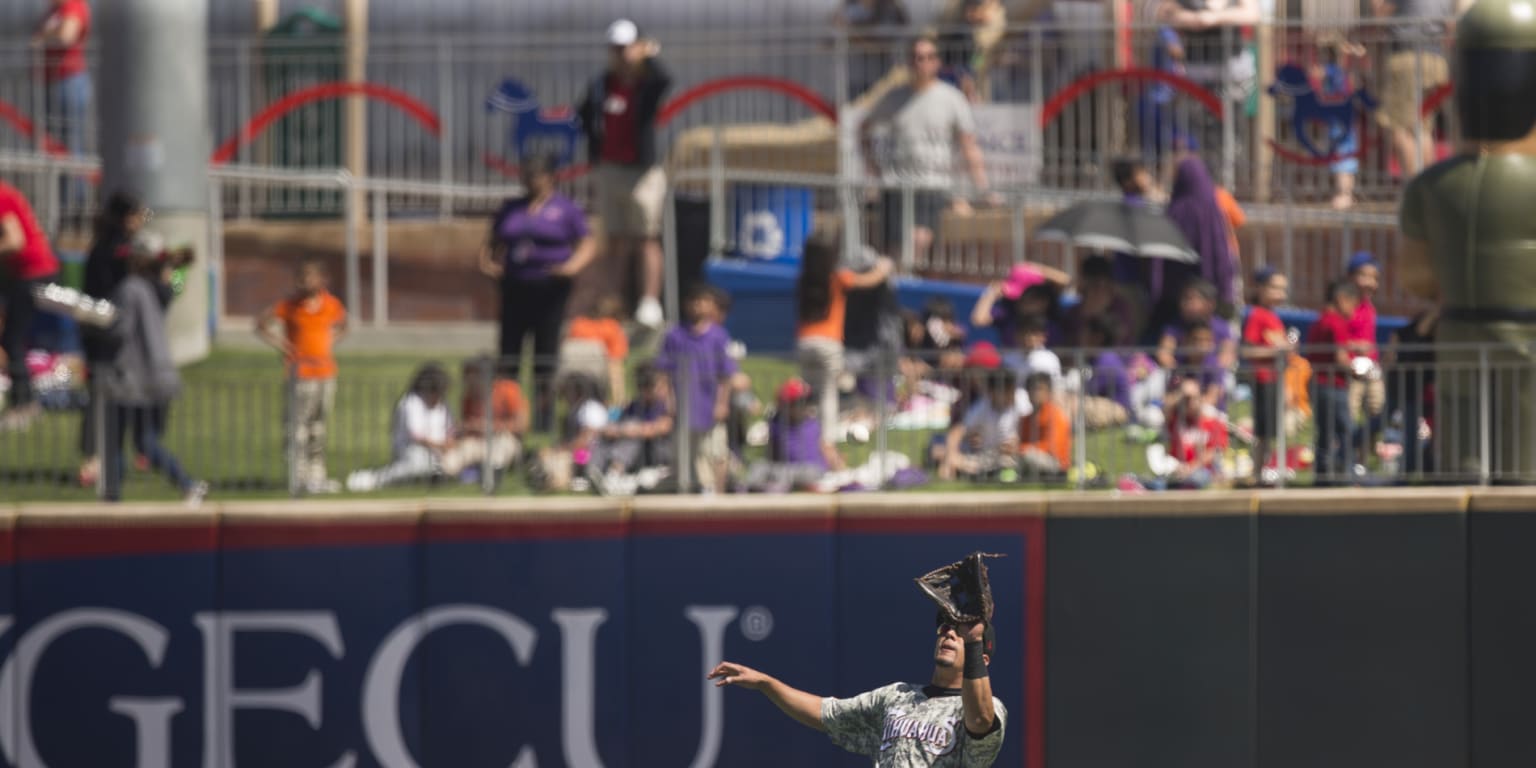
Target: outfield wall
x=1303 y=628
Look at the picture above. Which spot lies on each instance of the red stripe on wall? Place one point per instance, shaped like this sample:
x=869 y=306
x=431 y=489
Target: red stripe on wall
x=42 y=543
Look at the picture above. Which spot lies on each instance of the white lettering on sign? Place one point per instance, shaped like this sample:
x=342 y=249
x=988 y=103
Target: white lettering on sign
x=153 y=716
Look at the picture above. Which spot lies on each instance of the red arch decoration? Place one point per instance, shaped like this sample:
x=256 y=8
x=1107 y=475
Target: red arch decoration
x=1090 y=81
x=712 y=88
x=326 y=92
x=681 y=102
x=10 y=114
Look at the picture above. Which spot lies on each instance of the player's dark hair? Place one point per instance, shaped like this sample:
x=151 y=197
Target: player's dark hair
x=1038 y=379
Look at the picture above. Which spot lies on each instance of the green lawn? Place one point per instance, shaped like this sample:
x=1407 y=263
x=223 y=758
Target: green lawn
x=227 y=428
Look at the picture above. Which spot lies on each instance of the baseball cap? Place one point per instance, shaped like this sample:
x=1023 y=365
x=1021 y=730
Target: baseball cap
x=1019 y=280
x=983 y=355
x=793 y=391
x=1361 y=260
x=623 y=32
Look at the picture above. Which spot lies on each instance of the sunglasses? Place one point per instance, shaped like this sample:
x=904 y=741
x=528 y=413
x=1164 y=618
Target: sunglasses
x=925 y=56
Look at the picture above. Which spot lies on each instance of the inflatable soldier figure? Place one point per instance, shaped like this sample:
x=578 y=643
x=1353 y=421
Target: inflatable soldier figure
x=1469 y=241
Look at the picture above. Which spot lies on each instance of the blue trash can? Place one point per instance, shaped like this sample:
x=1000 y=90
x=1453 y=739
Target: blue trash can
x=770 y=223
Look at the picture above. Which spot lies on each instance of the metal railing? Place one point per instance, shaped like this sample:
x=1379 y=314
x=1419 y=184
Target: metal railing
x=1463 y=418
x=450 y=79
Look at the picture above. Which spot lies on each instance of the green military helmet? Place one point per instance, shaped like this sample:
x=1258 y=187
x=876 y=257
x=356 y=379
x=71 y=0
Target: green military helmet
x=1495 y=70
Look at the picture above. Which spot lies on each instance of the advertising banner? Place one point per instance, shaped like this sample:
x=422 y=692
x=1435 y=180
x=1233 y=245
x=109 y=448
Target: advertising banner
x=396 y=639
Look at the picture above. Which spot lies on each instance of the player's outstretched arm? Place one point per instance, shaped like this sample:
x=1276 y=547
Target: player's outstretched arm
x=804 y=707
x=976 y=690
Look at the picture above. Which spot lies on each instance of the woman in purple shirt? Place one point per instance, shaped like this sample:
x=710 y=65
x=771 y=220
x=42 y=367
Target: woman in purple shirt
x=536 y=245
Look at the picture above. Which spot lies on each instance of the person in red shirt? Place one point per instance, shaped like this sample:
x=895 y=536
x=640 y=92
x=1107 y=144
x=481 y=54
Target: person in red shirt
x=313 y=321
x=26 y=259
x=1367 y=393
x=618 y=116
x=1196 y=438
x=1264 y=340
x=62 y=34
x=1329 y=353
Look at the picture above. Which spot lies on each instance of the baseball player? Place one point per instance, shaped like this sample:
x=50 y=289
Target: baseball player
x=952 y=721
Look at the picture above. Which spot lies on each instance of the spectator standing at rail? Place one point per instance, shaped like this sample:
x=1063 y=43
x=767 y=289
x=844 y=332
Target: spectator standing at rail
x=1367 y=390
x=1330 y=356
x=695 y=357
x=62 y=34
x=106 y=265
x=1418 y=31
x=537 y=244
x=618 y=115
x=1264 y=341
x=313 y=322
x=142 y=380
x=930 y=122
x=26 y=259
x=821 y=298
x=1195 y=210
x=1137 y=186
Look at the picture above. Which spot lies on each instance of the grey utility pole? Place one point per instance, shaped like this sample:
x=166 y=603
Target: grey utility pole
x=153 y=96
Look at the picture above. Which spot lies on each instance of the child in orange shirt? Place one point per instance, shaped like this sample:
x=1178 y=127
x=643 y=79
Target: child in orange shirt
x=596 y=345
x=313 y=322
x=1045 y=435
x=508 y=421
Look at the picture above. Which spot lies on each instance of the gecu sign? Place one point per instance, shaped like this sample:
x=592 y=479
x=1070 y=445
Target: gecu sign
x=380 y=696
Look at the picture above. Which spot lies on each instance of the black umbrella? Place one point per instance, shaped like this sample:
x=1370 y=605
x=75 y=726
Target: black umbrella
x=1120 y=227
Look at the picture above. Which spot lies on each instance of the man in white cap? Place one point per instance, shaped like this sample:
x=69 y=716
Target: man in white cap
x=618 y=115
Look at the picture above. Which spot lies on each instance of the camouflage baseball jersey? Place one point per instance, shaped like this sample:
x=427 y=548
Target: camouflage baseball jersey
x=905 y=726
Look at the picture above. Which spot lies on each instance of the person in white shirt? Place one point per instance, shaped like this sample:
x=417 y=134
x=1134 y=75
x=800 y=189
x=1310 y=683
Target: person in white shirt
x=987 y=438
x=421 y=432
x=1032 y=357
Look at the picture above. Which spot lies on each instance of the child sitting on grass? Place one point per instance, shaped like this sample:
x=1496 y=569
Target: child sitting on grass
x=422 y=433
x=987 y=439
x=795 y=459
x=641 y=438
x=563 y=467
x=474 y=447
x=1045 y=435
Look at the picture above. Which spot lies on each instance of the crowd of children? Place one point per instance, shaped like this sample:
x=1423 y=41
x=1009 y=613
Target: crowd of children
x=1015 y=410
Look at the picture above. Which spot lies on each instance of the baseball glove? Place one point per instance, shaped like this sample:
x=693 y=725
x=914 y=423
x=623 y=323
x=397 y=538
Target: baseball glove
x=961 y=589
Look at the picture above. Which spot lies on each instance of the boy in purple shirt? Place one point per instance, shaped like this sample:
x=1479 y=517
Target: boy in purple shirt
x=1197 y=306
x=695 y=358
x=1107 y=393
x=642 y=435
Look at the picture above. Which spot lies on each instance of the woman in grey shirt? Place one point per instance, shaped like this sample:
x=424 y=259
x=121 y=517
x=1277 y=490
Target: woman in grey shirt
x=141 y=380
